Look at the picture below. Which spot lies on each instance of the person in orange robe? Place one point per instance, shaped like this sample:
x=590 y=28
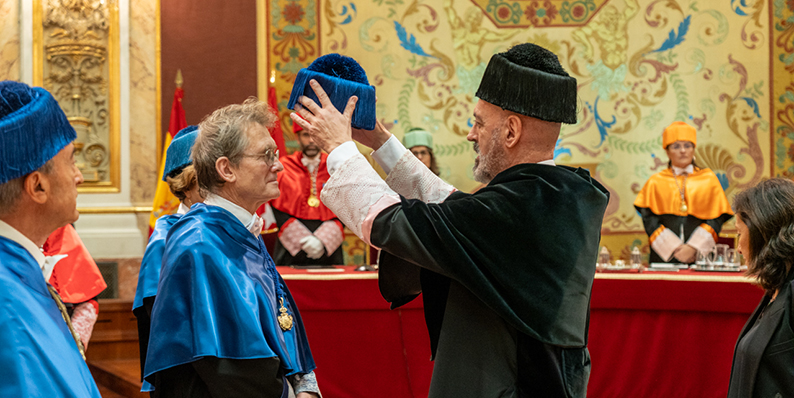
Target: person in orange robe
x=308 y=232
x=76 y=278
x=684 y=206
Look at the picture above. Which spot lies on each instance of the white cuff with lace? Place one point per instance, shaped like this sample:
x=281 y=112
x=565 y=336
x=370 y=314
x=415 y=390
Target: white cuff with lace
x=701 y=239
x=357 y=194
x=666 y=243
x=412 y=179
x=305 y=383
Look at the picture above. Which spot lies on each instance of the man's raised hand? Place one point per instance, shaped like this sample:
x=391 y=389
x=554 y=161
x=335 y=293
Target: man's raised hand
x=327 y=127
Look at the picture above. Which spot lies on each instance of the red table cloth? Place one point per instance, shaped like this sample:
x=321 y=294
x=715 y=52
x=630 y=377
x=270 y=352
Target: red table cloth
x=651 y=334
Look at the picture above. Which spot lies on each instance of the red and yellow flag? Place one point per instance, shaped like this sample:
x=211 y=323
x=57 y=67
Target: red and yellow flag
x=164 y=201
x=276 y=132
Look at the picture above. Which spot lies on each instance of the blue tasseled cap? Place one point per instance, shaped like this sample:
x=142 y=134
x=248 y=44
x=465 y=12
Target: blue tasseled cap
x=33 y=129
x=177 y=157
x=341 y=77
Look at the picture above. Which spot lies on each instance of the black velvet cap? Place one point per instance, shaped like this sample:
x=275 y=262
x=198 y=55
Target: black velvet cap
x=528 y=79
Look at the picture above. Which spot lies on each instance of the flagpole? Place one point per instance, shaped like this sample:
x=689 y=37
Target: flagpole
x=164 y=201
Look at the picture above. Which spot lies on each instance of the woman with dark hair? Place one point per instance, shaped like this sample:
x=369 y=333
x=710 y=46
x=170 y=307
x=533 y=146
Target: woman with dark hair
x=763 y=361
x=684 y=206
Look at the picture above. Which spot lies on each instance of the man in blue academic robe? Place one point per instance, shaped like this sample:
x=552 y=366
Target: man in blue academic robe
x=41 y=355
x=505 y=272
x=224 y=323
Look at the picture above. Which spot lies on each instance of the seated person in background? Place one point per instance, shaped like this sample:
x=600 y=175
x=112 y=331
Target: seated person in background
x=224 y=323
x=309 y=233
x=763 y=361
x=684 y=206
x=76 y=278
x=181 y=178
x=40 y=353
x=420 y=143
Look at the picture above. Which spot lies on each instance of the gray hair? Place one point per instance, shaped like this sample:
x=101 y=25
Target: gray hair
x=11 y=190
x=223 y=134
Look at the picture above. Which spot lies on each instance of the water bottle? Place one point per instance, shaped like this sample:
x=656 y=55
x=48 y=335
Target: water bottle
x=636 y=258
x=603 y=258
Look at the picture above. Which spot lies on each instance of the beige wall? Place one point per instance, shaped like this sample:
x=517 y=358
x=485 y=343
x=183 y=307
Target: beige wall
x=640 y=65
x=9 y=40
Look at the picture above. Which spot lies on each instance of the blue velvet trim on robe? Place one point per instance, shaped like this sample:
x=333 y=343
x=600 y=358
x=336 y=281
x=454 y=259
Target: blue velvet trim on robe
x=215 y=298
x=152 y=261
x=38 y=354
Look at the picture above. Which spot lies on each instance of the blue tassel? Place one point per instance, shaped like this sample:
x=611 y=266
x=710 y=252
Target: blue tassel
x=341 y=77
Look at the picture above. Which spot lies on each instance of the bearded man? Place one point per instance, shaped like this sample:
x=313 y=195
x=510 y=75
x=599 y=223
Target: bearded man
x=309 y=233
x=506 y=272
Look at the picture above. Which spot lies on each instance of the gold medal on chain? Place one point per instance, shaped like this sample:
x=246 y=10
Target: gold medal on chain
x=313 y=201
x=284 y=318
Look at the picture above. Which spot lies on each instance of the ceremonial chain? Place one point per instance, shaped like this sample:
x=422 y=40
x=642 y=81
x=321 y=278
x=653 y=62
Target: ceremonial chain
x=681 y=190
x=284 y=318
x=313 y=201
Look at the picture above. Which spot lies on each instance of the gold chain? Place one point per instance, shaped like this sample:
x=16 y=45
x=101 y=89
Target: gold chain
x=313 y=201
x=67 y=319
x=681 y=190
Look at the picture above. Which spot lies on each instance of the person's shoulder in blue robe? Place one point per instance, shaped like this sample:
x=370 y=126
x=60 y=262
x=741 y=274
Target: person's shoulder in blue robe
x=152 y=261
x=217 y=297
x=38 y=354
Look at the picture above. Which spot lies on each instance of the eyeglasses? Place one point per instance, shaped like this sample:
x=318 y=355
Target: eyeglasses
x=270 y=156
x=421 y=152
x=686 y=145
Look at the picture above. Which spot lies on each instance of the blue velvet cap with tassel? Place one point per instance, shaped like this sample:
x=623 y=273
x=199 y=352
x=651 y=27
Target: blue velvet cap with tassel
x=177 y=157
x=341 y=77
x=33 y=129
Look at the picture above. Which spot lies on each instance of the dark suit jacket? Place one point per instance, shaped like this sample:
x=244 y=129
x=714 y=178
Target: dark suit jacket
x=765 y=368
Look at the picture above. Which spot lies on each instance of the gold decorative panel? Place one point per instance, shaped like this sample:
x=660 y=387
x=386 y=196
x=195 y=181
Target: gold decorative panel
x=75 y=57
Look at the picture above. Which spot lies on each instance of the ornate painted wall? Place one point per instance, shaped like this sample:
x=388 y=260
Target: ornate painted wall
x=640 y=66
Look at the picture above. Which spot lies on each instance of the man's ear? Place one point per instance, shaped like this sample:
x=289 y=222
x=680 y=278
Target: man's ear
x=514 y=127
x=225 y=170
x=37 y=186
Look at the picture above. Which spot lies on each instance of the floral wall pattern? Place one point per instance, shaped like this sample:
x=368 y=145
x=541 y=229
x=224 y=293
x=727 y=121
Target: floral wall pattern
x=723 y=66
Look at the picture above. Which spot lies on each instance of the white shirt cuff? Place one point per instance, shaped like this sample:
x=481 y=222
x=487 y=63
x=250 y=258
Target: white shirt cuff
x=701 y=240
x=666 y=243
x=389 y=153
x=340 y=154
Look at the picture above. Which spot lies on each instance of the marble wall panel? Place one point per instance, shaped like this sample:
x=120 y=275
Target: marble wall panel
x=9 y=40
x=143 y=101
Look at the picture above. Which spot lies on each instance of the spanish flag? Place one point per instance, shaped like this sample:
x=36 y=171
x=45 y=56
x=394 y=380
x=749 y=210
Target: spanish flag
x=164 y=201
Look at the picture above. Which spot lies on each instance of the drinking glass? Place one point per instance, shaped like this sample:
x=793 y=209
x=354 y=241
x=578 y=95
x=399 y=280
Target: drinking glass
x=730 y=258
x=720 y=251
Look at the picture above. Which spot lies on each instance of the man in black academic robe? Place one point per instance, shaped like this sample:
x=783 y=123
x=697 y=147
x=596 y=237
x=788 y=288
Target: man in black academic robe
x=506 y=272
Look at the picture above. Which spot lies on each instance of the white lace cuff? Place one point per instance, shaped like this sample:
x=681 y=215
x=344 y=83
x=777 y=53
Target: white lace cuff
x=389 y=154
x=352 y=193
x=701 y=240
x=331 y=235
x=291 y=234
x=413 y=180
x=340 y=155
x=83 y=319
x=305 y=383
x=666 y=243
